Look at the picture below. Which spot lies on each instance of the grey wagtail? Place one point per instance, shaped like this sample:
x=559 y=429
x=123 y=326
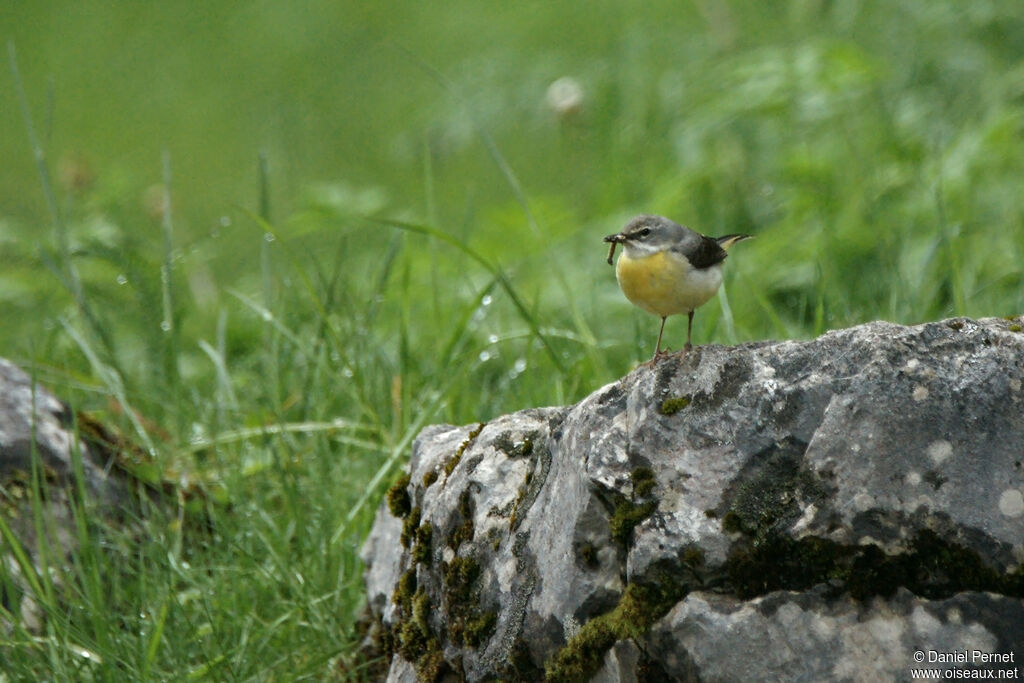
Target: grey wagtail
x=666 y=268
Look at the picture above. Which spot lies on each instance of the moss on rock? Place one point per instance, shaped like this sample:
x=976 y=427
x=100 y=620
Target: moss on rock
x=409 y=527
x=630 y=511
x=671 y=406
x=479 y=628
x=639 y=607
x=423 y=546
x=453 y=462
x=462 y=531
x=932 y=567
x=399 y=502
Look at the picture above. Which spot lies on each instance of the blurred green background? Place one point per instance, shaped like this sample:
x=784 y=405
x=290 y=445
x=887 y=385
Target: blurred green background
x=874 y=149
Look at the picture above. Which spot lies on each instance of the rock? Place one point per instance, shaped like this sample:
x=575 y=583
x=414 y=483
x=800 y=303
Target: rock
x=805 y=636
x=814 y=510
x=36 y=425
x=621 y=664
x=33 y=419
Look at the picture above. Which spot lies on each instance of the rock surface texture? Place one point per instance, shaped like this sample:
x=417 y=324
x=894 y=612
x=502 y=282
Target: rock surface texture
x=34 y=422
x=39 y=446
x=820 y=510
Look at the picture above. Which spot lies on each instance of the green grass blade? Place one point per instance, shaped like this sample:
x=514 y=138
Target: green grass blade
x=496 y=272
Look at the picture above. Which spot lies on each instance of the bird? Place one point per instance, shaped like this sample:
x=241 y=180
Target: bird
x=666 y=268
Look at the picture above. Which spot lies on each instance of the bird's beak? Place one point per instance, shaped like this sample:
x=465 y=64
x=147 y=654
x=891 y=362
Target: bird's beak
x=614 y=240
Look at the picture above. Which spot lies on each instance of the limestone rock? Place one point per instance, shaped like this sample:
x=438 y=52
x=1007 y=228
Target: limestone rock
x=38 y=433
x=33 y=419
x=815 y=510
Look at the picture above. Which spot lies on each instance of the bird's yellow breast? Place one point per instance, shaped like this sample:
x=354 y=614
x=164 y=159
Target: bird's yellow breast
x=665 y=283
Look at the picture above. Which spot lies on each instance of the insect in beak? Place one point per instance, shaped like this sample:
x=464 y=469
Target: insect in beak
x=614 y=240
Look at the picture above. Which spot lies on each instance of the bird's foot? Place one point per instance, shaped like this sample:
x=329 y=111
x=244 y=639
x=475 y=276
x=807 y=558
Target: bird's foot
x=658 y=355
x=683 y=352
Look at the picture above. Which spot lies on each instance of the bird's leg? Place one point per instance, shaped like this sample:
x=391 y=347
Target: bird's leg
x=689 y=331
x=657 y=348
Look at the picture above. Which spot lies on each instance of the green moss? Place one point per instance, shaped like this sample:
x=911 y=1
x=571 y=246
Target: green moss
x=429 y=478
x=388 y=642
x=405 y=587
x=524 y=490
x=422 y=548
x=629 y=511
x=467 y=624
x=643 y=481
x=693 y=557
x=398 y=499
x=639 y=607
x=465 y=506
x=480 y=628
x=411 y=636
x=932 y=567
x=431 y=666
x=626 y=516
x=671 y=406
x=421 y=610
x=409 y=526
x=588 y=553
x=463 y=532
x=459 y=575
x=453 y=462
x=1016 y=327
x=417 y=643
x=412 y=642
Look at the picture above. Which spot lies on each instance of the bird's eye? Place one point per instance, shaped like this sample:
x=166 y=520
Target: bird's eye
x=645 y=232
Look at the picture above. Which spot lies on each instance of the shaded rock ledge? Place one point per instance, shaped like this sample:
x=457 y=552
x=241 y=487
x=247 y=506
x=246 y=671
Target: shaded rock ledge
x=812 y=510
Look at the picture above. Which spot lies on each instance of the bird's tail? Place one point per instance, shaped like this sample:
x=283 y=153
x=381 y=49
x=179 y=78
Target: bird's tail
x=726 y=241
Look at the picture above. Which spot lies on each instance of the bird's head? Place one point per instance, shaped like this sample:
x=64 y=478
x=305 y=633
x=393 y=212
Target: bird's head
x=646 y=235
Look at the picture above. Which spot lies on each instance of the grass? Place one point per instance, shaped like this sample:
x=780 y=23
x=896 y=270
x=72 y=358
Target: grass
x=280 y=339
